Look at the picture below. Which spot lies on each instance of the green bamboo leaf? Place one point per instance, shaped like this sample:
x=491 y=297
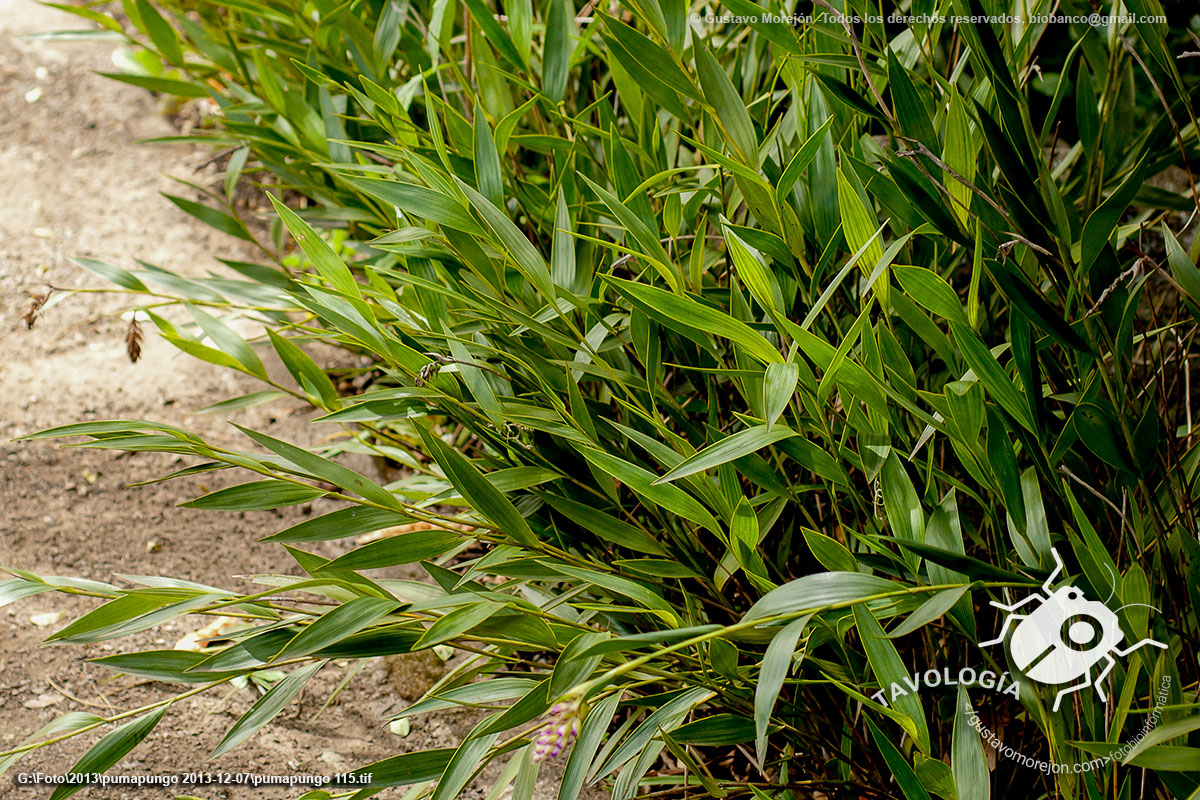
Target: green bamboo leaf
x=476 y=490
x=487 y=692
x=495 y=34
x=731 y=111
x=852 y=99
x=859 y=226
x=171 y=666
x=536 y=701
x=954 y=560
x=87 y=35
x=779 y=386
x=1014 y=286
x=16 y=589
x=960 y=154
x=392 y=551
x=731 y=447
x=829 y=553
x=754 y=273
x=255 y=496
x=337 y=624
x=927 y=612
x=967 y=759
x=818 y=591
x=643 y=483
x=562 y=257
x=744 y=536
x=889 y=670
x=905 y=516
x=387 y=35
x=1165 y=733
x=162 y=85
x=607 y=645
x=323 y=469
x=418 y=201
x=583 y=754
x=931 y=291
x=328 y=263
x=764 y=24
x=637 y=592
x=402 y=770
x=776 y=664
x=160 y=32
x=67 y=723
x=1087 y=113
x=265 y=708
x=121 y=277
x=636 y=78
x=1182 y=268
x=666 y=718
x=715 y=731
x=605 y=526
x=90 y=14
x=310 y=377
x=520 y=22
x=1169 y=758
x=1135 y=589
x=992 y=375
x=487 y=160
x=643 y=235
x=242 y=401
x=1103 y=221
x=556 y=49
x=908 y=105
x=683 y=312
x=1037 y=528
x=468 y=759
x=212 y=217
x=801 y=160
x=96 y=622
x=203 y=352
x=902 y=771
x=456 y=623
x=862 y=251
x=106 y=623
x=526 y=258
x=653 y=58
x=109 y=750
x=228 y=341
x=476 y=381
x=340 y=524
x=1165 y=758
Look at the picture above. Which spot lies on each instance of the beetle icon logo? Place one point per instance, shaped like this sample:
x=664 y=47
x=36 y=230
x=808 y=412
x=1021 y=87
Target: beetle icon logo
x=1064 y=637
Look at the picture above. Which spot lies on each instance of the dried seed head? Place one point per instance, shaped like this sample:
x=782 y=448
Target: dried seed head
x=133 y=340
x=428 y=373
x=33 y=306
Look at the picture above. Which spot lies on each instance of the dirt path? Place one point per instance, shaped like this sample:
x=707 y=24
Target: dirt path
x=76 y=184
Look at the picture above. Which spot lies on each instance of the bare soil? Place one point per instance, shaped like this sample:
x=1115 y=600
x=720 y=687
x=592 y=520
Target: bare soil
x=77 y=184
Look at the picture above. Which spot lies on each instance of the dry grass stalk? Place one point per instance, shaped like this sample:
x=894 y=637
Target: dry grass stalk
x=33 y=306
x=410 y=528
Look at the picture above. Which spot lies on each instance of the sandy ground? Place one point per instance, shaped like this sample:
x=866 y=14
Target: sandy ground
x=77 y=184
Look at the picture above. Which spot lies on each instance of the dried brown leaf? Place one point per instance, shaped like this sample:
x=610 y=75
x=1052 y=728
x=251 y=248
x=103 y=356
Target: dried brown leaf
x=33 y=306
x=133 y=340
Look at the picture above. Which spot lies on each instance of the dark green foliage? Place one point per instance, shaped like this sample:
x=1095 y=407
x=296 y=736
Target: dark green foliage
x=733 y=356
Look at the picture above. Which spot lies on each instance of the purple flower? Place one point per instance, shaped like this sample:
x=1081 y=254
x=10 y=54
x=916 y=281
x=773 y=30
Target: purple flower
x=559 y=732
